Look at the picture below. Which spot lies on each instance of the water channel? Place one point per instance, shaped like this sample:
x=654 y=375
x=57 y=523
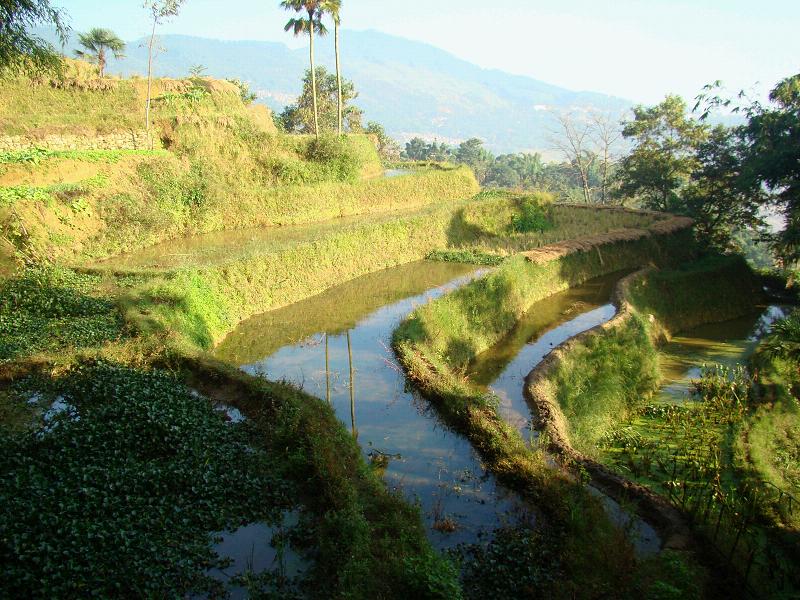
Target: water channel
x=729 y=343
x=337 y=346
x=349 y=328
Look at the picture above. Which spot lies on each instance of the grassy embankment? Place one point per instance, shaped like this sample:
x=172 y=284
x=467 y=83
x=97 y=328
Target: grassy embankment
x=600 y=382
x=700 y=457
x=436 y=344
x=225 y=168
x=769 y=444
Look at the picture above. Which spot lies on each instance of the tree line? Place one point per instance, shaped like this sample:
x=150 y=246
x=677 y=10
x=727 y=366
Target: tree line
x=570 y=180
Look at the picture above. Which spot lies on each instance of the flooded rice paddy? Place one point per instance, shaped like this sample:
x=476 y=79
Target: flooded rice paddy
x=728 y=343
x=337 y=346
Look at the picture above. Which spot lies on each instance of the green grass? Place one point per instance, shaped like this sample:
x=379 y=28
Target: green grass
x=200 y=305
x=509 y=222
x=223 y=169
x=774 y=445
x=601 y=381
x=468 y=321
x=157 y=199
x=604 y=380
x=27 y=109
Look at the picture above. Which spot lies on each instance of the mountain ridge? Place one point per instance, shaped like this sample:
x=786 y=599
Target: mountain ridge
x=412 y=88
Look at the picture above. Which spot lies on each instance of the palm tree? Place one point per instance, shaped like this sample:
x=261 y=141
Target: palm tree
x=96 y=43
x=334 y=9
x=301 y=26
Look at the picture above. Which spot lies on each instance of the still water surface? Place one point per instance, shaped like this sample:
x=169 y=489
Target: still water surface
x=344 y=335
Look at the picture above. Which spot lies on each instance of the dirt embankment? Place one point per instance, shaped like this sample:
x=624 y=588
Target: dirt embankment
x=550 y=420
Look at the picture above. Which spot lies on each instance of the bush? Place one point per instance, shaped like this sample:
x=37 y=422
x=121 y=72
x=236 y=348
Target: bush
x=531 y=217
x=337 y=158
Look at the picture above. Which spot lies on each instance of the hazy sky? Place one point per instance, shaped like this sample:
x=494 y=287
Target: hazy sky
x=636 y=49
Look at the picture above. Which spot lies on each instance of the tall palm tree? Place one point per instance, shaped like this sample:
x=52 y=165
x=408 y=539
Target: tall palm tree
x=312 y=25
x=97 y=43
x=334 y=9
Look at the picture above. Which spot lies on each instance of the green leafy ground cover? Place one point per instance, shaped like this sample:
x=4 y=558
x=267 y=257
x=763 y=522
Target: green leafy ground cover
x=49 y=310
x=36 y=156
x=120 y=492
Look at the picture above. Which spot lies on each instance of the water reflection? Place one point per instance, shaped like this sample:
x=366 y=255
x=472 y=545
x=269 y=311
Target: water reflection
x=729 y=343
x=549 y=323
x=337 y=347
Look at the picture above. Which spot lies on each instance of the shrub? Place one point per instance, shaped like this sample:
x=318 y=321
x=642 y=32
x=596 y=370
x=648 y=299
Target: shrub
x=336 y=157
x=531 y=217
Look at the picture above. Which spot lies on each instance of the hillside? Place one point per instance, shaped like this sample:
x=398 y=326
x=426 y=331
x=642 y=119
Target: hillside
x=410 y=87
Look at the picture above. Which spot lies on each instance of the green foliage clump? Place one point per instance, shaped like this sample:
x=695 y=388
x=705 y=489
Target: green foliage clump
x=121 y=491
x=32 y=156
x=35 y=156
x=50 y=310
x=11 y=195
x=784 y=339
x=518 y=562
x=532 y=217
x=467 y=256
x=334 y=158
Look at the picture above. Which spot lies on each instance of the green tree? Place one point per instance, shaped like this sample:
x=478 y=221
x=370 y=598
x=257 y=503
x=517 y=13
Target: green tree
x=715 y=197
x=245 y=93
x=301 y=118
x=664 y=155
x=524 y=171
x=419 y=149
x=334 y=9
x=21 y=48
x=159 y=10
x=771 y=139
x=97 y=43
x=475 y=156
x=387 y=147
x=312 y=25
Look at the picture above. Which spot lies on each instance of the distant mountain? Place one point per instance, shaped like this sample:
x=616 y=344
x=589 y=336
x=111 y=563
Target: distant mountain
x=410 y=87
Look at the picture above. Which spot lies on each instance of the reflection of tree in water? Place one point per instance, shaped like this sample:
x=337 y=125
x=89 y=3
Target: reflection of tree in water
x=352 y=387
x=765 y=322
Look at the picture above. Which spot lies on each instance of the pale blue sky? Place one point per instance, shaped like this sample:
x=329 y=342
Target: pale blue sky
x=637 y=49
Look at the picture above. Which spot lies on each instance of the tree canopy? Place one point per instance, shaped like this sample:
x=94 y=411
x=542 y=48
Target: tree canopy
x=771 y=146
x=97 y=43
x=299 y=117
x=664 y=155
x=21 y=48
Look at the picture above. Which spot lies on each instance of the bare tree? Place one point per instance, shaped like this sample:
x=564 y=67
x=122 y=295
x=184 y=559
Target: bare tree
x=606 y=135
x=159 y=10
x=575 y=142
